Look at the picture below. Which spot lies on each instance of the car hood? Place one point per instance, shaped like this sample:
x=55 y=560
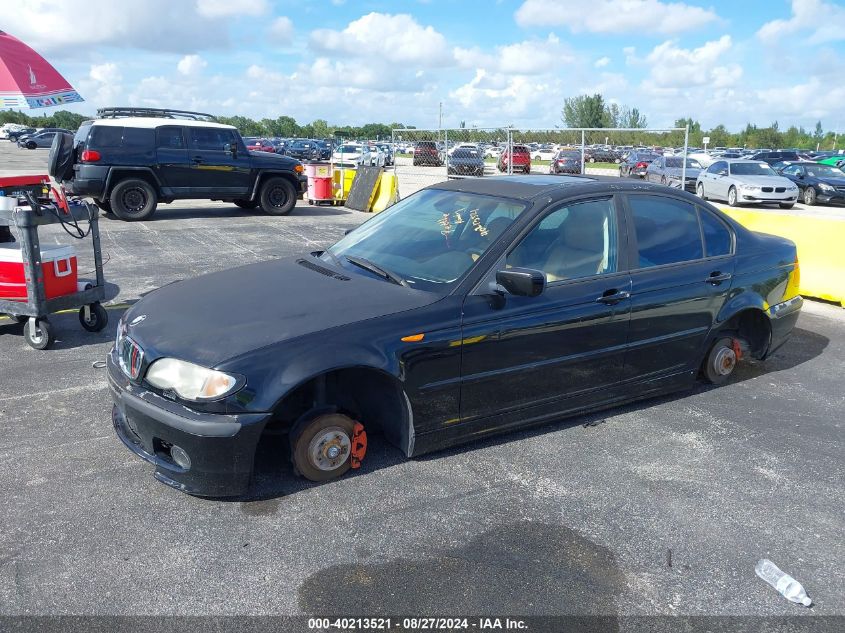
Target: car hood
x=836 y=182
x=216 y=317
x=270 y=160
x=764 y=181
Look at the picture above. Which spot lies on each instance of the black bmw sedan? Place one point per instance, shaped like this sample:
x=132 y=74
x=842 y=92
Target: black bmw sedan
x=472 y=307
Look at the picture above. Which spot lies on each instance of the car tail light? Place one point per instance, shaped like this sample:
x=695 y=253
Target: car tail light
x=641 y=165
x=90 y=156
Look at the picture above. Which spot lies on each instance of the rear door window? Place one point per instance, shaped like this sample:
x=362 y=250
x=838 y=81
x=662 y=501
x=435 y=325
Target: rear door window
x=135 y=138
x=718 y=239
x=103 y=136
x=666 y=229
x=170 y=137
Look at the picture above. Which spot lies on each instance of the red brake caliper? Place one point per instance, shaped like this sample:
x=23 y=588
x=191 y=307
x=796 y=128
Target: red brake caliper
x=737 y=348
x=359 y=445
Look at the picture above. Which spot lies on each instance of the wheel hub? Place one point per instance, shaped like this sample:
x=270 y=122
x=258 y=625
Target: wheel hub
x=134 y=199
x=725 y=361
x=329 y=449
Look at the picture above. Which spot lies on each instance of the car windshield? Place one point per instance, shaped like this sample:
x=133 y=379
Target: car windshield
x=430 y=239
x=824 y=171
x=465 y=152
x=752 y=169
x=349 y=149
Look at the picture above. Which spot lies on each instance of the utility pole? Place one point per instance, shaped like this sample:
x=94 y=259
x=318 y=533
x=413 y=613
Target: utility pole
x=440 y=117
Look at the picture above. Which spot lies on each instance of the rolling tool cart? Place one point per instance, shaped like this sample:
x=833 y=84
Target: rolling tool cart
x=36 y=281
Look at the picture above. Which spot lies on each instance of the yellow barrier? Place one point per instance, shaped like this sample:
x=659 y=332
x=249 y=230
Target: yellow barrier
x=821 y=247
x=341 y=189
x=387 y=192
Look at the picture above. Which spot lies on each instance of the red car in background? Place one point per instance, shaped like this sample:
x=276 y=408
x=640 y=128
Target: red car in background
x=259 y=145
x=521 y=160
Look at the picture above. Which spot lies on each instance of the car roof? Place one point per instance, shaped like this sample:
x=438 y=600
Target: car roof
x=525 y=187
x=154 y=122
x=742 y=160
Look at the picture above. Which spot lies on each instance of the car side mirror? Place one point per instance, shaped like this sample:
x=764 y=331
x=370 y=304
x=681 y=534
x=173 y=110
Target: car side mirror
x=722 y=172
x=522 y=282
x=801 y=176
x=231 y=148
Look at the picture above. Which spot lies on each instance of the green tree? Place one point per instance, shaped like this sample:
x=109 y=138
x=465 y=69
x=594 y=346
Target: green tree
x=584 y=111
x=631 y=117
x=818 y=134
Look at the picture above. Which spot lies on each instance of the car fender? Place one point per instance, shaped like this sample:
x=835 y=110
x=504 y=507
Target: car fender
x=737 y=303
x=110 y=178
x=262 y=173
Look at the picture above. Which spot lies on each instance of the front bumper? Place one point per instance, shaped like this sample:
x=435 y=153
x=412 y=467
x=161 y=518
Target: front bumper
x=750 y=195
x=221 y=448
x=827 y=197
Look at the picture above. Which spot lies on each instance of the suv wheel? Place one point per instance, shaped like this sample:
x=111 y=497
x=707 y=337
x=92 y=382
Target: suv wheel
x=246 y=204
x=277 y=196
x=133 y=199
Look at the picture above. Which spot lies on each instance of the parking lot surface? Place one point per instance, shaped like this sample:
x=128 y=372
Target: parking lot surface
x=659 y=508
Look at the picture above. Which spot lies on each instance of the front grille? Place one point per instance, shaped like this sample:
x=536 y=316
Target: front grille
x=780 y=189
x=130 y=356
x=767 y=190
x=840 y=189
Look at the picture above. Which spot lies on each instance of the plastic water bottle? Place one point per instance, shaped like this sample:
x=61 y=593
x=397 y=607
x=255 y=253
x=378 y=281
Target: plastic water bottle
x=785 y=584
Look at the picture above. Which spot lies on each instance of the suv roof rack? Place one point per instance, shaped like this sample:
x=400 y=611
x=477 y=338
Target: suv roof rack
x=164 y=113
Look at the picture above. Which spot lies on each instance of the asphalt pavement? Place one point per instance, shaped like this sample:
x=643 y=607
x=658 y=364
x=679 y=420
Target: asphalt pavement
x=659 y=508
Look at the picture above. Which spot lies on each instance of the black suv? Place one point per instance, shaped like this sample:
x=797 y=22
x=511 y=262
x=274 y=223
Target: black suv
x=129 y=160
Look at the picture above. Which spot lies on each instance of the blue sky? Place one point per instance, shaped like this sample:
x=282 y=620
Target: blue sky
x=489 y=62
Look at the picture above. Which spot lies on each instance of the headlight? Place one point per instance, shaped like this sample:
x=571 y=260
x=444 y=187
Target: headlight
x=189 y=381
x=825 y=187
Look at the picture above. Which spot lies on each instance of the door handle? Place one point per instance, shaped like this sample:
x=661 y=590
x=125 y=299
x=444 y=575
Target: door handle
x=716 y=278
x=197 y=159
x=611 y=297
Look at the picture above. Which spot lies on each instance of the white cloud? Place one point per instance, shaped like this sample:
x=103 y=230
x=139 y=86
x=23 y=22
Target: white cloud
x=530 y=57
x=105 y=73
x=823 y=21
x=673 y=67
x=227 y=8
x=281 y=30
x=78 y=28
x=191 y=65
x=601 y=62
x=376 y=35
x=616 y=16
x=103 y=84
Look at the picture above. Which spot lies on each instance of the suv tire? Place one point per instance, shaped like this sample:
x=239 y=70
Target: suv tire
x=105 y=205
x=277 y=196
x=60 y=158
x=133 y=199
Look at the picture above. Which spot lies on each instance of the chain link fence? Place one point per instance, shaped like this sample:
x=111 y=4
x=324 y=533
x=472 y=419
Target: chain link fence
x=427 y=157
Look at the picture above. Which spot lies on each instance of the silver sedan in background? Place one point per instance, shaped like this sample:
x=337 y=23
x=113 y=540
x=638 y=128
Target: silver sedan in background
x=668 y=170
x=746 y=182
